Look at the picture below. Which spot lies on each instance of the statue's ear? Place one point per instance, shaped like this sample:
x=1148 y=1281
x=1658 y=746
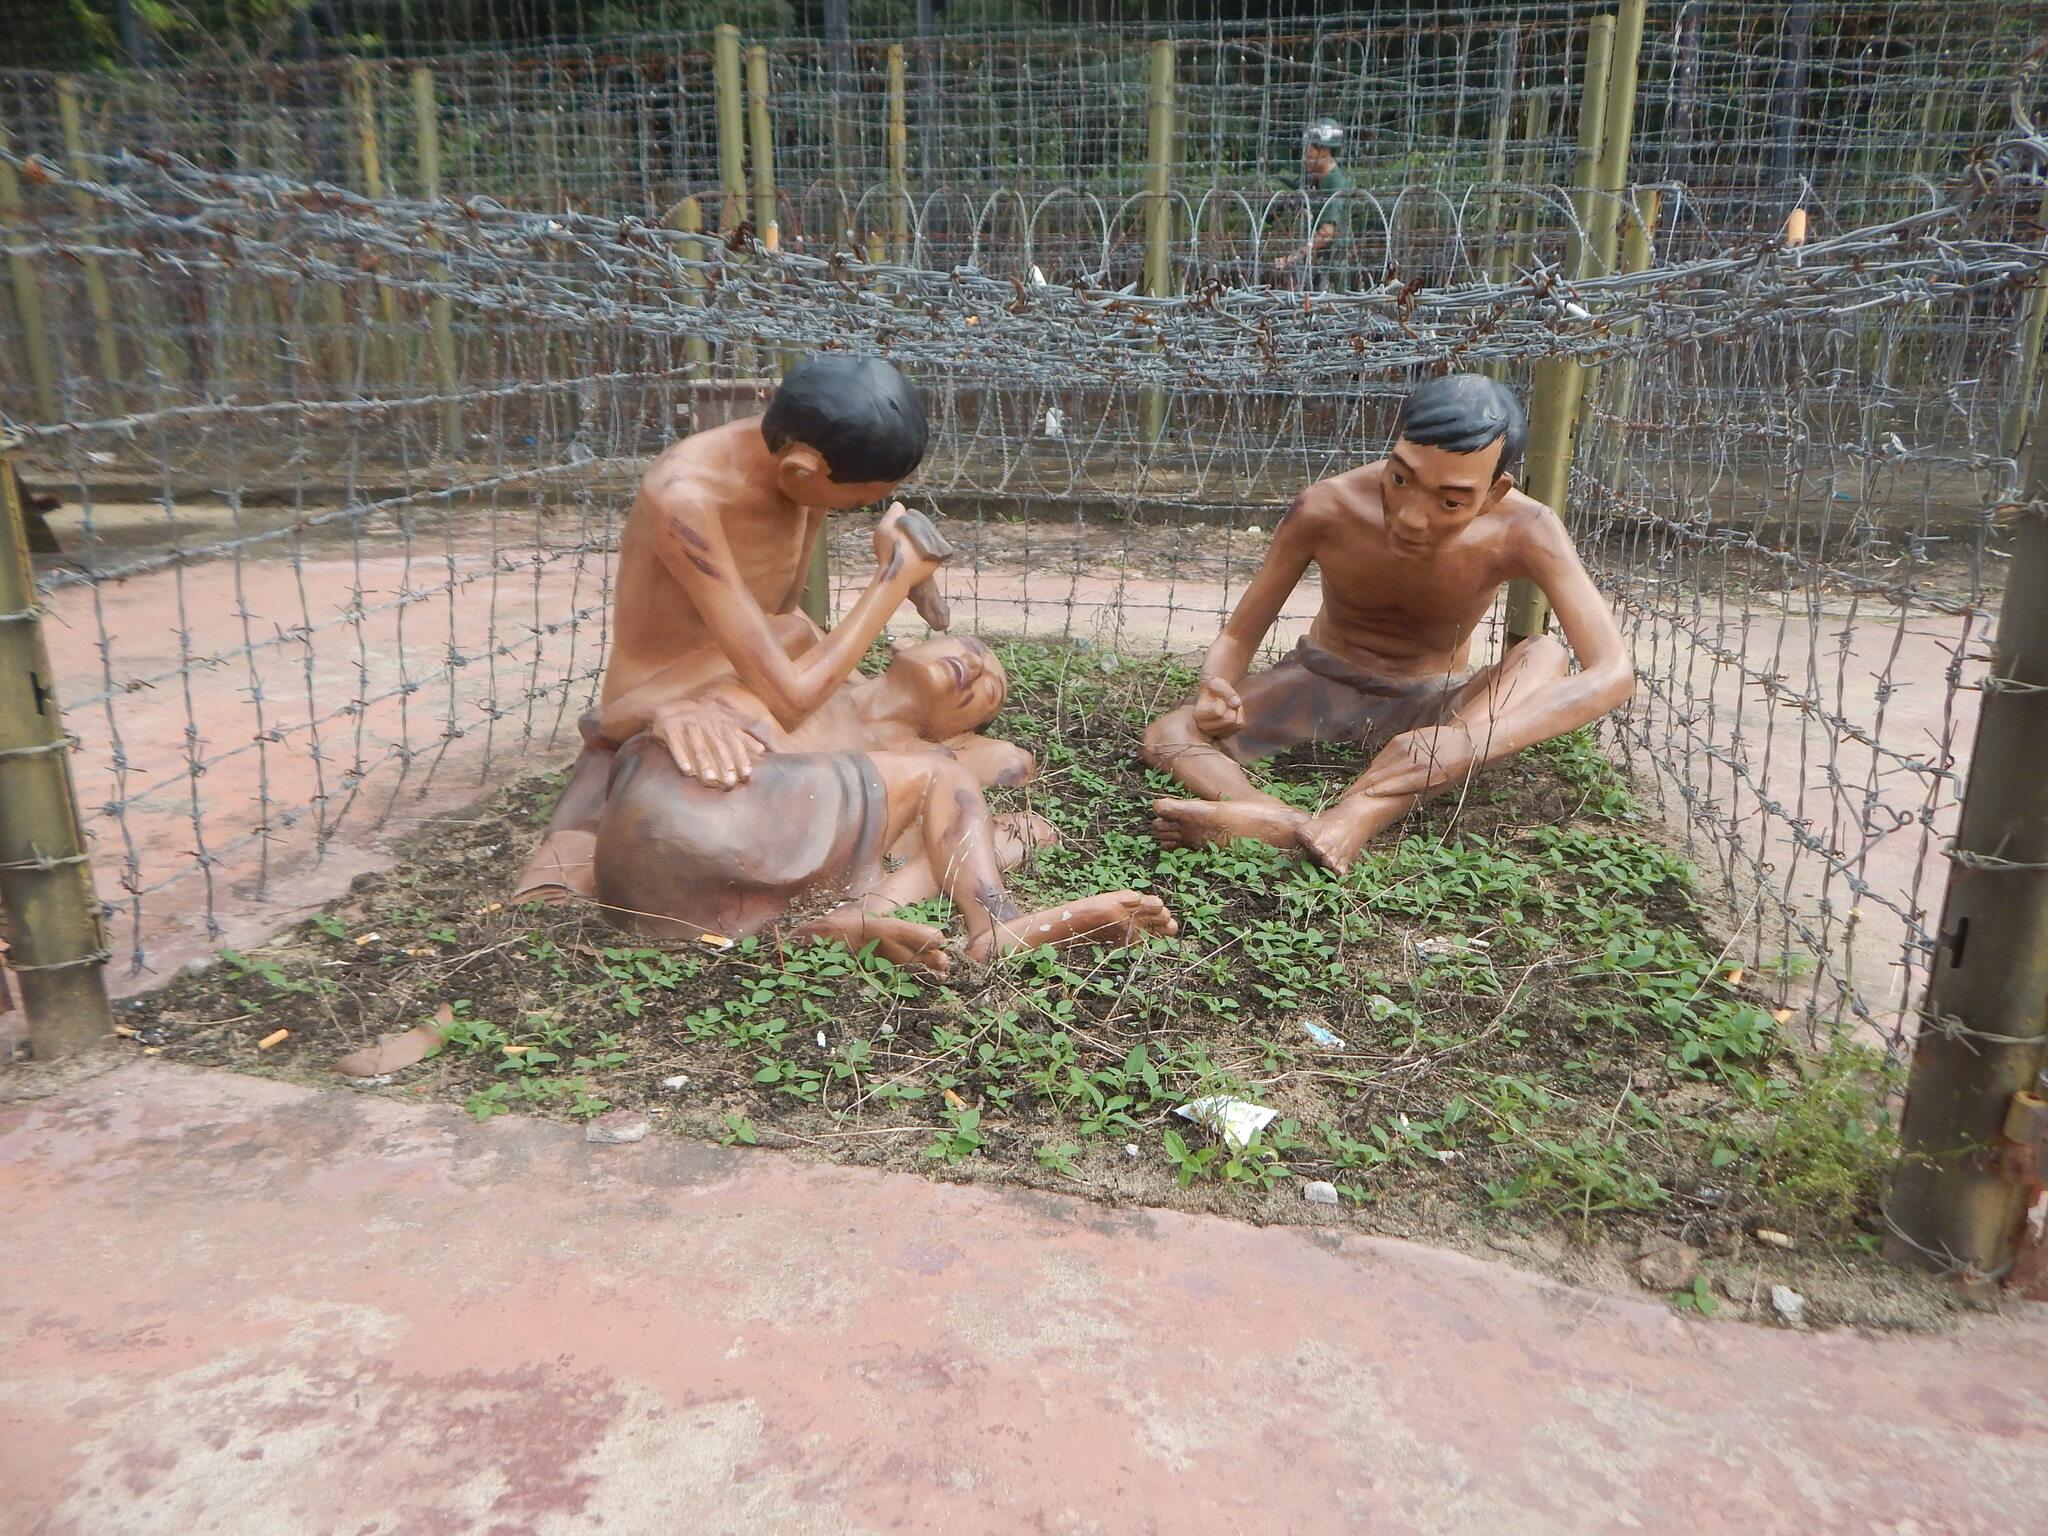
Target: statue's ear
x=1502 y=484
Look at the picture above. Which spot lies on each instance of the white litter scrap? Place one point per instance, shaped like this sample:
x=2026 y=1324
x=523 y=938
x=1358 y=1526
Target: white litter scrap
x=1328 y=1039
x=1451 y=944
x=1789 y=1305
x=1233 y=1119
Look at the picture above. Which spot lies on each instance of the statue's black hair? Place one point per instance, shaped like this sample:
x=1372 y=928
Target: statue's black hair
x=859 y=413
x=1462 y=413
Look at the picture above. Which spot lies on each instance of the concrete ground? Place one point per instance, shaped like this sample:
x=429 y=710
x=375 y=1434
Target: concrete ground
x=230 y=1305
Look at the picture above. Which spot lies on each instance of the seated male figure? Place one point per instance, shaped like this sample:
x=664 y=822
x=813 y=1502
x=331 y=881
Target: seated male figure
x=720 y=818
x=1413 y=550
x=717 y=545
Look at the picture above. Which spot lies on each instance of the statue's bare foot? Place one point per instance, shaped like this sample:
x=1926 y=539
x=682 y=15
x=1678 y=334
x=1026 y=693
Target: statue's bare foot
x=1201 y=823
x=1018 y=833
x=896 y=939
x=1111 y=919
x=559 y=871
x=1334 y=838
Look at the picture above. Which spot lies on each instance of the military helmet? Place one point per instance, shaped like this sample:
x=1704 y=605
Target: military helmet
x=1323 y=135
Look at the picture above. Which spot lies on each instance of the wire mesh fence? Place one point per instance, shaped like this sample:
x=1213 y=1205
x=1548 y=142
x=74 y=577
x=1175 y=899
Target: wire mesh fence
x=341 y=467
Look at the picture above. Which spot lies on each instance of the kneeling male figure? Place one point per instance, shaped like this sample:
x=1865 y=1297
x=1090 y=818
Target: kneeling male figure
x=1413 y=550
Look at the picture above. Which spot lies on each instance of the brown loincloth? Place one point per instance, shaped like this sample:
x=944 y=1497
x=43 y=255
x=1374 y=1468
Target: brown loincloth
x=675 y=859
x=1311 y=695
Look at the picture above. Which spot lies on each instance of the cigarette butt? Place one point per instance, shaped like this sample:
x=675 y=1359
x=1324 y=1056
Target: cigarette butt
x=1735 y=977
x=1795 y=227
x=974 y=319
x=955 y=1100
x=1782 y=1015
x=517 y=1050
x=496 y=906
x=123 y=1029
x=368 y=938
x=273 y=1038
x=714 y=941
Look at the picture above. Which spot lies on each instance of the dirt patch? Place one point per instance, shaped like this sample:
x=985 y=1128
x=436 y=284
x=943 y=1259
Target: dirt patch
x=1509 y=1029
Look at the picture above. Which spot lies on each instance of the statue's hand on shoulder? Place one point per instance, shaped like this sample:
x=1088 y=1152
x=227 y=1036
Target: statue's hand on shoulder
x=708 y=742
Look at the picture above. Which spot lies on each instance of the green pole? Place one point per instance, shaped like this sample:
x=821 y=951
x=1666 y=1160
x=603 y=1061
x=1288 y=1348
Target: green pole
x=1160 y=153
x=688 y=217
x=71 y=121
x=363 y=105
x=28 y=294
x=766 y=230
x=899 y=158
x=1554 y=397
x=1617 y=130
x=56 y=944
x=732 y=135
x=440 y=310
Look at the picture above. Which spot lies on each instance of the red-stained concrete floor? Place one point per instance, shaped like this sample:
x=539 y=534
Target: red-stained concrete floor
x=233 y=1306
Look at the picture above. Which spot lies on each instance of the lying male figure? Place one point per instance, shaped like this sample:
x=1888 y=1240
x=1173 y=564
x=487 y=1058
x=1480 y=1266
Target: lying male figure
x=1412 y=549
x=718 y=542
x=697 y=835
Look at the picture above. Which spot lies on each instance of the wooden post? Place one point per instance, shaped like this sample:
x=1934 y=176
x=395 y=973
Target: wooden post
x=1160 y=154
x=2023 y=369
x=688 y=216
x=766 y=229
x=71 y=119
x=441 y=309
x=1972 y=1135
x=57 y=943
x=1497 y=150
x=817 y=598
x=1636 y=250
x=1578 y=261
x=28 y=294
x=1555 y=395
x=1618 y=129
x=732 y=135
x=899 y=159
x=1535 y=124
x=363 y=105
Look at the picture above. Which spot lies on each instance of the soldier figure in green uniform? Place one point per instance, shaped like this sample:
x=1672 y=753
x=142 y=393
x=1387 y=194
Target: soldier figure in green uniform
x=1325 y=253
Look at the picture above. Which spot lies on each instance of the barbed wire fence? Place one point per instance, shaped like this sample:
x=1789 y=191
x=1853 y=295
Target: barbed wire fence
x=342 y=465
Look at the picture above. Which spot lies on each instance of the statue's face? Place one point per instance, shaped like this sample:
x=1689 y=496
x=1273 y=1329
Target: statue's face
x=960 y=680
x=1431 y=494
x=1317 y=160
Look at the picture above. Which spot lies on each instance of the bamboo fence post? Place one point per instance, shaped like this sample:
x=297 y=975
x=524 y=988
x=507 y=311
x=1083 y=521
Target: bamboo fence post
x=732 y=136
x=1636 y=250
x=440 y=309
x=1975 y=1126
x=28 y=293
x=363 y=104
x=1579 y=249
x=1554 y=396
x=2025 y=364
x=899 y=158
x=1161 y=123
x=56 y=936
x=1535 y=124
x=729 y=87
x=766 y=229
x=688 y=217
x=71 y=119
x=1618 y=129
x=1497 y=148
